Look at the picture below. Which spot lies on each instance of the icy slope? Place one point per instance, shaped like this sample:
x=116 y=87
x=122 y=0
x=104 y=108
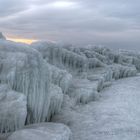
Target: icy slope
x=25 y=71
x=66 y=59
x=114 y=116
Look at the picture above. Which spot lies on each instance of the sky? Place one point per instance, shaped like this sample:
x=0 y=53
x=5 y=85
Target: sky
x=112 y=23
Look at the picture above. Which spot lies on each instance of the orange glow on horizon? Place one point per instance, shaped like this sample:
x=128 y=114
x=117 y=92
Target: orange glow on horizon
x=22 y=40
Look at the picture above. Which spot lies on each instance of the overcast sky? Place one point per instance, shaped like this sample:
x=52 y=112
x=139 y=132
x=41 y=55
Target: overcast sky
x=113 y=23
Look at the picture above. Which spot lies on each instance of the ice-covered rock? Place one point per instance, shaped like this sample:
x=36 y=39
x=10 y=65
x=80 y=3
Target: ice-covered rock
x=13 y=109
x=83 y=90
x=25 y=71
x=66 y=59
x=100 y=65
x=43 y=131
x=60 y=77
x=103 y=76
x=46 y=72
x=56 y=100
x=120 y=71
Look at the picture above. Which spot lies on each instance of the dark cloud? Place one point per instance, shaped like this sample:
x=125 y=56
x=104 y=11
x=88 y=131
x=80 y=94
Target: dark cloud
x=85 y=21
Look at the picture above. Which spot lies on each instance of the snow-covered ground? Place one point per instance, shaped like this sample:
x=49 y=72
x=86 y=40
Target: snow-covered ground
x=114 y=116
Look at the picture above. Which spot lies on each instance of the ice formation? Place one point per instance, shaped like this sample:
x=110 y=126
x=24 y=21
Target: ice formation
x=97 y=66
x=60 y=77
x=13 y=109
x=79 y=88
x=43 y=131
x=25 y=71
x=50 y=74
x=56 y=100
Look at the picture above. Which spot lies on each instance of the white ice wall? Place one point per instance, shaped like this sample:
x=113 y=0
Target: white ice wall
x=25 y=71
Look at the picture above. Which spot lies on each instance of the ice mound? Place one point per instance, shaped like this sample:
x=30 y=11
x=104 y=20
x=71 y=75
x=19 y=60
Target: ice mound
x=132 y=57
x=60 y=77
x=83 y=90
x=13 y=109
x=43 y=131
x=102 y=76
x=66 y=59
x=52 y=75
x=97 y=65
x=25 y=71
x=120 y=71
x=56 y=101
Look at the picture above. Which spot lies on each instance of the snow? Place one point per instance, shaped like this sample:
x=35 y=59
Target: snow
x=13 y=109
x=43 y=131
x=115 y=115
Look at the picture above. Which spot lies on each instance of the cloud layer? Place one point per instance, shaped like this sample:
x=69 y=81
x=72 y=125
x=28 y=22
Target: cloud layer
x=106 y=22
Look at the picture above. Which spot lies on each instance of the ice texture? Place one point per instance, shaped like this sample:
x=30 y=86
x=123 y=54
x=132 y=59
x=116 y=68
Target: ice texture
x=98 y=66
x=13 y=109
x=43 y=131
x=56 y=100
x=115 y=116
x=25 y=71
x=60 y=77
x=53 y=77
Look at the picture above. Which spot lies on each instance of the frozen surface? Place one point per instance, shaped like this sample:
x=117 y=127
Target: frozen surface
x=25 y=71
x=83 y=90
x=114 y=116
x=60 y=77
x=13 y=109
x=55 y=78
x=44 y=131
x=56 y=100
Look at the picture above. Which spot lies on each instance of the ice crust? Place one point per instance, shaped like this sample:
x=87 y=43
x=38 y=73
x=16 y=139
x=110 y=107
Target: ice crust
x=43 y=131
x=44 y=75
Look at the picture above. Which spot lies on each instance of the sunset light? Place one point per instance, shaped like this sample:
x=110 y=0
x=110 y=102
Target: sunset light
x=22 y=40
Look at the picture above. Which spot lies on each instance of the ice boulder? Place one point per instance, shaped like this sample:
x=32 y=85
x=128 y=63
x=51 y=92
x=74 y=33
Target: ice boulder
x=43 y=131
x=56 y=100
x=60 y=77
x=13 y=109
x=83 y=91
x=120 y=71
x=25 y=71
